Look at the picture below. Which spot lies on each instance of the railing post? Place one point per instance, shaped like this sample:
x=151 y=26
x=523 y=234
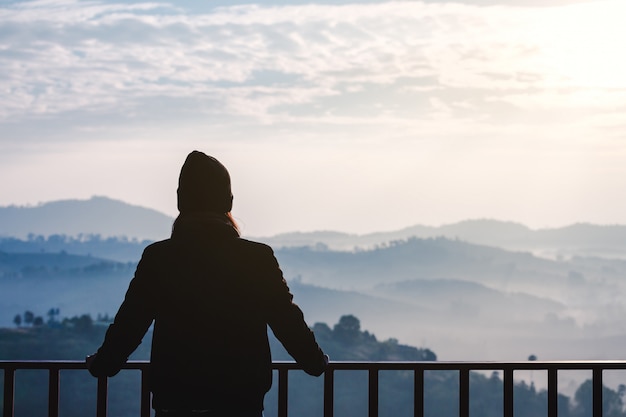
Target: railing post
x=329 y=391
x=464 y=392
x=283 y=376
x=145 y=394
x=418 y=393
x=101 y=399
x=53 y=392
x=507 y=400
x=9 y=391
x=596 y=379
x=373 y=392
x=553 y=393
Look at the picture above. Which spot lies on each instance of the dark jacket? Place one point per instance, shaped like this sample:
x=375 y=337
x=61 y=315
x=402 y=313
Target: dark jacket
x=211 y=296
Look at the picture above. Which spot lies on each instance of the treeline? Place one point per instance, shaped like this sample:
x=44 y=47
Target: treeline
x=343 y=341
x=62 y=264
x=119 y=249
x=79 y=323
x=346 y=341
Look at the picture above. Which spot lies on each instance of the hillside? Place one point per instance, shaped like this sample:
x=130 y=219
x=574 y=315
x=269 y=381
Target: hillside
x=115 y=249
x=344 y=341
x=416 y=258
x=63 y=339
x=98 y=215
x=61 y=264
x=568 y=241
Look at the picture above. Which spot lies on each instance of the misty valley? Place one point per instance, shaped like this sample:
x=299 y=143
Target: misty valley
x=466 y=301
x=422 y=294
x=450 y=299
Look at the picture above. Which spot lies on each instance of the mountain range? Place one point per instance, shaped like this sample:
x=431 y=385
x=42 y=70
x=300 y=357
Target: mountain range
x=97 y=216
x=107 y=217
x=457 y=289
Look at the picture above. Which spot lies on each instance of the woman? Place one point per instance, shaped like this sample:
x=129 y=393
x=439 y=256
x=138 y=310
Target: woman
x=211 y=295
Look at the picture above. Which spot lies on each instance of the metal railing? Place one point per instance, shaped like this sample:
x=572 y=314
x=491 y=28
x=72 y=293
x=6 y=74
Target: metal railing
x=372 y=368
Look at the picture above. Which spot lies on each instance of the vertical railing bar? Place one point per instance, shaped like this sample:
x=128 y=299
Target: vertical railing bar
x=418 y=392
x=329 y=392
x=372 y=392
x=464 y=392
x=53 y=392
x=553 y=393
x=9 y=392
x=507 y=400
x=101 y=398
x=597 y=391
x=145 y=393
x=282 y=391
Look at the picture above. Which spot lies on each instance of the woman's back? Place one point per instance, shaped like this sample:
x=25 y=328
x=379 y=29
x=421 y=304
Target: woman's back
x=211 y=296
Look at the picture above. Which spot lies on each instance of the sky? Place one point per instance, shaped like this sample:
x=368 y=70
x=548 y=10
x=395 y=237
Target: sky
x=330 y=115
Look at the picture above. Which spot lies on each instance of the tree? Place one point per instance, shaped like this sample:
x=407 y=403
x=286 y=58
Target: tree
x=17 y=320
x=82 y=323
x=348 y=329
x=29 y=316
x=38 y=321
x=52 y=314
x=428 y=355
x=322 y=331
x=612 y=401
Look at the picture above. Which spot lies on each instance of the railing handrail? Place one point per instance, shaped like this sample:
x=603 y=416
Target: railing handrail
x=463 y=367
x=361 y=365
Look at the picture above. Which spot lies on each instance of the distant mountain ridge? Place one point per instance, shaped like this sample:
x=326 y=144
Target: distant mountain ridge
x=578 y=239
x=113 y=218
x=97 y=216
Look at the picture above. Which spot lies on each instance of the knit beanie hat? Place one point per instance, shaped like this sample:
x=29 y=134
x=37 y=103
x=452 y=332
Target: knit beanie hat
x=204 y=185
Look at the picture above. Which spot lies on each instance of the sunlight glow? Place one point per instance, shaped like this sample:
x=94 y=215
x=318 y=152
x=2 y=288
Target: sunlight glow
x=582 y=44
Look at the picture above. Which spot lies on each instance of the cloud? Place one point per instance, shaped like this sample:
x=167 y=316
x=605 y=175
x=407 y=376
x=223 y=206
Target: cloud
x=447 y=110
x=384 y=63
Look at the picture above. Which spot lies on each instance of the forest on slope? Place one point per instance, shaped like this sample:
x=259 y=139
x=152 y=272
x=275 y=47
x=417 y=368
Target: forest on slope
x=73 y=338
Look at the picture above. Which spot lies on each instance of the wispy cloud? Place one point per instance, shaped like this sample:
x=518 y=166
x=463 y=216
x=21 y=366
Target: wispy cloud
x=383 y=61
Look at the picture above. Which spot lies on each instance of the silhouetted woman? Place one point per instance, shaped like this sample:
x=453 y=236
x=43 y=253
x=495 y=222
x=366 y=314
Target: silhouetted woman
x=211 y=295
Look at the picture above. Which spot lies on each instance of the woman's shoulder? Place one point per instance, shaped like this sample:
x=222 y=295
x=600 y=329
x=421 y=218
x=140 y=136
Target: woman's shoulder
x=253 y=245
x=159 y=244
x=241 y=246
x=157 y=247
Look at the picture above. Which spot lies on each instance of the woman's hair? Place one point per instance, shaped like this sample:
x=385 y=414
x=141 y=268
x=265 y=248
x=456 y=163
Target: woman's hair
x=232 y=221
